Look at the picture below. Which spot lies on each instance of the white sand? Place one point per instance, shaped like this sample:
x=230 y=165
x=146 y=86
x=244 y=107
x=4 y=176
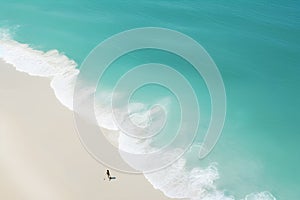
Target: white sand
x=41 y=157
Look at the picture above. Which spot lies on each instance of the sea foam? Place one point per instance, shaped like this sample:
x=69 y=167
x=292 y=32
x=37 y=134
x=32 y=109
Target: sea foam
x=51 y=64
x=175 y=181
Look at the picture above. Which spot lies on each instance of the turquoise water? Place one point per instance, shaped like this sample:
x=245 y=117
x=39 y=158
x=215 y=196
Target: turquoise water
x=255 y=45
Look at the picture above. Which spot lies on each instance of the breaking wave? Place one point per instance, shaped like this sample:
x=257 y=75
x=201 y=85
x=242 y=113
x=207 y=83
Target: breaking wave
x=175 y=181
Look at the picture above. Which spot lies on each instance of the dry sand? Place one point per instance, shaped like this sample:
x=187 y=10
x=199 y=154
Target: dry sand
x=41 y=157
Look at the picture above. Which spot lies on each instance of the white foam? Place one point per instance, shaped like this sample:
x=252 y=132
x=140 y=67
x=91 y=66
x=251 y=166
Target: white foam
x=176 y=181
x=50 y=64
x=196 y=184
x=260 y=196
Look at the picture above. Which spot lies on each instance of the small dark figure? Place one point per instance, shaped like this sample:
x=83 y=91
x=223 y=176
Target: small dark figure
x=109 y=176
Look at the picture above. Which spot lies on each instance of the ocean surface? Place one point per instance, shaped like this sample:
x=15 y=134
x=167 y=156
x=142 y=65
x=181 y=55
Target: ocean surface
x=256 y=46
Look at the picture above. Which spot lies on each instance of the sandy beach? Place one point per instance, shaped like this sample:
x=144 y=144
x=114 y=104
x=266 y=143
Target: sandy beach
x=41 y=157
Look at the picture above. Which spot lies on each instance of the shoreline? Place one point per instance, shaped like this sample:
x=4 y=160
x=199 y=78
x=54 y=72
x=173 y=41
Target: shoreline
x=41 y=156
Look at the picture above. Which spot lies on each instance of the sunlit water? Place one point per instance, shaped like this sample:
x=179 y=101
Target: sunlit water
x=255 y=46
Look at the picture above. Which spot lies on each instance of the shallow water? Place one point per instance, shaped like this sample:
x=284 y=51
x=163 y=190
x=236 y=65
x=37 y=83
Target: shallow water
x=254 y=44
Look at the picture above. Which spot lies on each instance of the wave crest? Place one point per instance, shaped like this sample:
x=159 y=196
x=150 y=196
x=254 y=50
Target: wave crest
x=176 y=181
x=51 y=64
